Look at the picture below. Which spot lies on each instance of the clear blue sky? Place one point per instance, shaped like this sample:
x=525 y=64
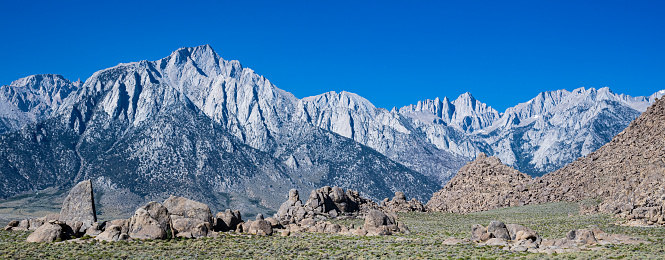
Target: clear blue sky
x=392 y=53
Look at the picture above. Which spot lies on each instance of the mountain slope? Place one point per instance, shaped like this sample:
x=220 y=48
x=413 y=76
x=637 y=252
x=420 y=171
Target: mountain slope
x=145 y=130
x=539 y=136
x=32 y=99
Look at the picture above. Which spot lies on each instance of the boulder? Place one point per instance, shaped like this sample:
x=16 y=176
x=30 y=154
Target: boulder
x=260 y=227
x=189 y=227
x=188 y=208
x=228 y=220
x=584 y=236
x=519 y=232
x=479 y=233
x=96 y=229
x=24 y=225
x=35 y=223
x=112 y=233
x=332 y=228
x=48 y=232
x=273 y=222
x=79 y=206
x=150 y=222
x=498 y=230
x=288 y=211
x=13 y=223
x=123 y=223
x=377 y=218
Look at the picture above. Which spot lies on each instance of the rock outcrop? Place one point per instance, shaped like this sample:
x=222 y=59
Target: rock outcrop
x=519 y=238
x=400 y=204
x=49 y=232
x=323 y=203
x=79 y=206
x=189 y=218
x=112 y=233
x=482 y=184
x=228 y=220
x=151 y=221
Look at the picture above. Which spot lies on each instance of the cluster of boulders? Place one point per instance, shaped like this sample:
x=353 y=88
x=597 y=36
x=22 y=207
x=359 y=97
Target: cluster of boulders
x=185 y=218
x=377 y=223
x=400 y=204
x=333 y=202
x=323 y=203
x=519 y=238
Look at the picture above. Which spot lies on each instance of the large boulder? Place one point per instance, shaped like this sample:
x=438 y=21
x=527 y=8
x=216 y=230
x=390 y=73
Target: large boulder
x=79 y=206
x=188 y=208
x=96 y=229
x=48 y=232
x=260 y=226
x=479 y=233
x=112 y=233
x=123 y=223
x=12 y=224
x=519 y=232
x=498 y=230
x=291 y=211
x=150 y=222
x=190 y=227
x=228 y=220
x=381 y=223
x=377 y=218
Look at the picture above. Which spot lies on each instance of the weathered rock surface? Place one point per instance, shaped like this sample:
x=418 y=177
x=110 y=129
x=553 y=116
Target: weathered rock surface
x=188 y=208
x=48 y=232
x=150 y=222
x=11 y=224
x=190 y=218
x=523 y=239
x=400 y=204
x=79 y=206
x=112 y=233
x=228 y=220
x=323 y=203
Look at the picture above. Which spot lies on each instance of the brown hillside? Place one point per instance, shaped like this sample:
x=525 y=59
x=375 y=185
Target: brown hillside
x=627 y=175
x=482 y=184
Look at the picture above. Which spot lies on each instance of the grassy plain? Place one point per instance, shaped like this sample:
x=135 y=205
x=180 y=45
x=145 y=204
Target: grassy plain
x=429 y=230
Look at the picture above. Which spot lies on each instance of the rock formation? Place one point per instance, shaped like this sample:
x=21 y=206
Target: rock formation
x=49 y=232
x=79 y=206
x=482 y=184
x=519 y=238
x=151 y=221
x=189 y=218
x=323 y=203
x=400 y=204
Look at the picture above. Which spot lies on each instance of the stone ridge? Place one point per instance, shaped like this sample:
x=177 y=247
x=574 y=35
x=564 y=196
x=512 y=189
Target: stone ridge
x=482 y=184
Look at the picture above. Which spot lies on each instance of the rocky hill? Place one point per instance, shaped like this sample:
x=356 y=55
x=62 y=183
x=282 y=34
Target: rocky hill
x=627 y=174
x=482 y=184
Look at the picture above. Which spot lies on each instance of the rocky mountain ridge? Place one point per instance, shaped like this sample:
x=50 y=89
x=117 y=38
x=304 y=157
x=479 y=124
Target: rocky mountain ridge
x=213 y=130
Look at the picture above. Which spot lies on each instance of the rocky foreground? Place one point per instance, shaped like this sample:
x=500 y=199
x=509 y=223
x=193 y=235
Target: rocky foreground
x=185 y=218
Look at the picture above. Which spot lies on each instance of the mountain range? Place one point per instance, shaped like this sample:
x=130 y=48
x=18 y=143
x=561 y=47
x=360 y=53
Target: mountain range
x=193 y=124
